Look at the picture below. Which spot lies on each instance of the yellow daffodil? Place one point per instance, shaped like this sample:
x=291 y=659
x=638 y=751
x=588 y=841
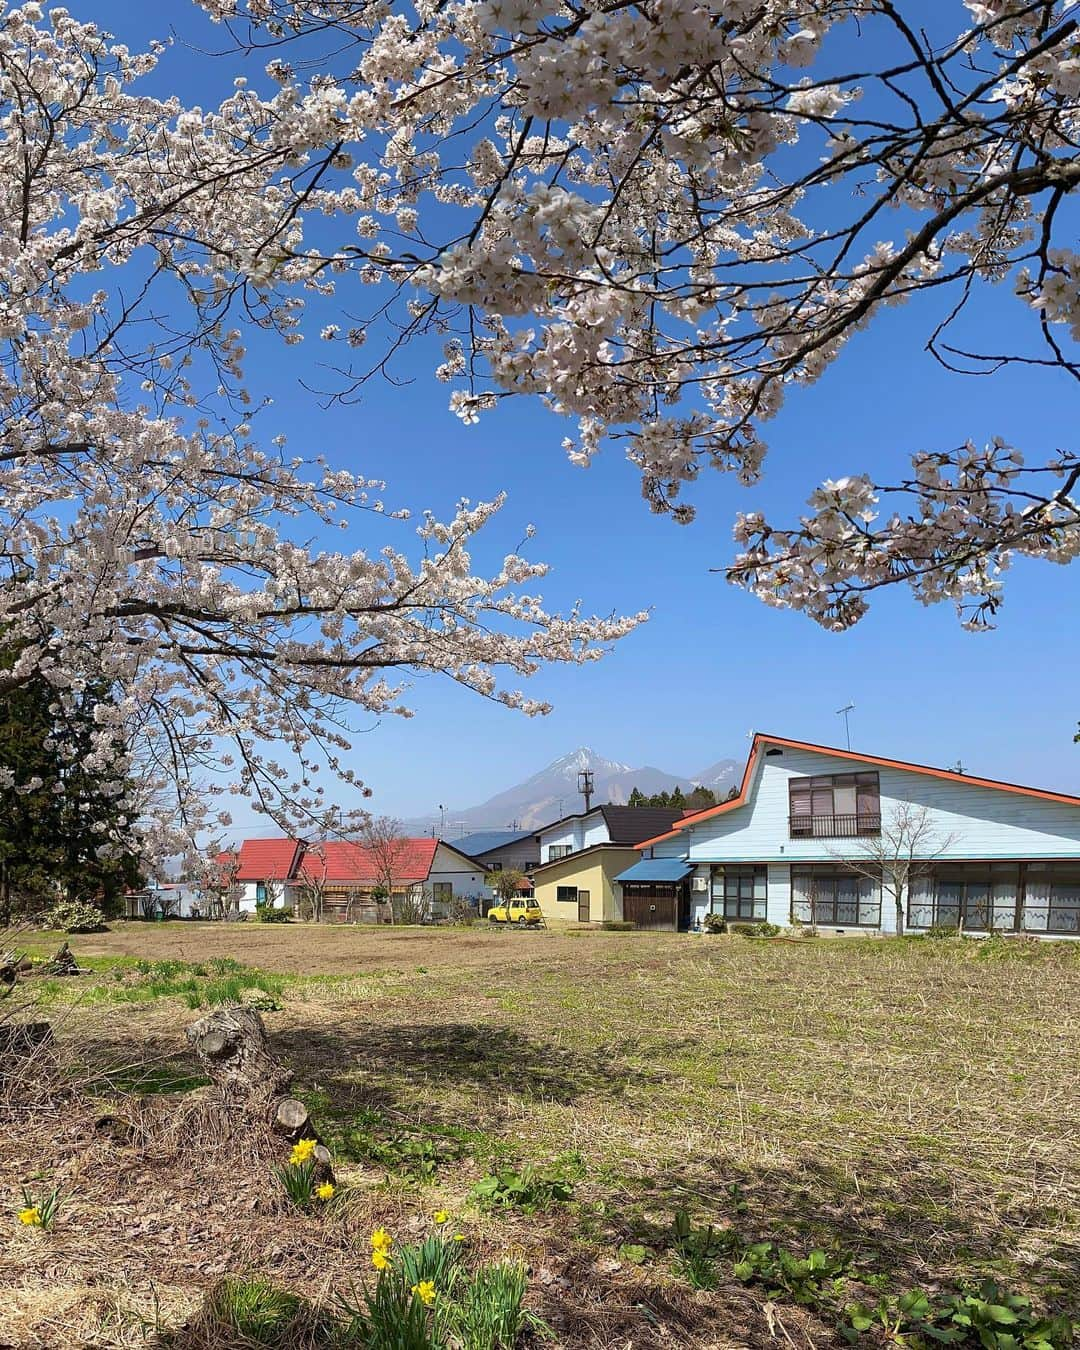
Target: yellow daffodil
x=381 y=1239
x=380 y=1259
x=425 y=1292
x=441 y=1216
x=302 y=1151
x=459 y=1237
x=325 y=1191
x=31 y=1216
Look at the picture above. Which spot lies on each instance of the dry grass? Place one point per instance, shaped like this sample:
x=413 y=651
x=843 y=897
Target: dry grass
x=914 y=1103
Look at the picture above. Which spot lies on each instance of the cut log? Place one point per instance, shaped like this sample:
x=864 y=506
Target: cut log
x=235 y=1054
x=291 y=1118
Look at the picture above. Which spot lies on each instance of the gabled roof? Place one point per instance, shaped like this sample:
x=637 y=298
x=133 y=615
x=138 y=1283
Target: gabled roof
x=761 y=740
x=346 y=861
x=267 y=859
x=484 y=841
x=624 y=823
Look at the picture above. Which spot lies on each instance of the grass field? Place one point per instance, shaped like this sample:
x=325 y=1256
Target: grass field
x=910 y=1108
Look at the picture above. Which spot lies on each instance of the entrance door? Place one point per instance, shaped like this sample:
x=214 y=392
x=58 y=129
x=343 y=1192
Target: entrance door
x=583 y=906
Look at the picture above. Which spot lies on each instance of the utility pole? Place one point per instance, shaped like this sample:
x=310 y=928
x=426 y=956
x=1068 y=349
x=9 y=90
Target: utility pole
x=442 y=820
x=843 y=712
x=585 y=786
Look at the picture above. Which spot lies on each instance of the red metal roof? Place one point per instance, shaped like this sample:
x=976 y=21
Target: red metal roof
x=950 y=775
x=346 y=861
x=267 y=859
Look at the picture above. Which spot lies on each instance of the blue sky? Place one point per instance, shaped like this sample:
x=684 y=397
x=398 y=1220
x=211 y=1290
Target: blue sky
x=712 y=663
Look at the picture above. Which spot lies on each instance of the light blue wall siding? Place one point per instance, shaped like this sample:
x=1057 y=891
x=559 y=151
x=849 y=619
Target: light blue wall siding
x=581 y=832
x=968 y=821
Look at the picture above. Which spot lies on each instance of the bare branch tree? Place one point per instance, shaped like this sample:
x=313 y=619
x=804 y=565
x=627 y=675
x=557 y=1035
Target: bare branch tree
x=384 y=839
x=902 y=854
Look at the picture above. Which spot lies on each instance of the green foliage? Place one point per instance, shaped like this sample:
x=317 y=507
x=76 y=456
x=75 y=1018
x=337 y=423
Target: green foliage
x=265 y=912
x=76 y=916
x=633 y=1253
x=618 y=926
x=489 y=1313
x=44 y=1206
x=507 y=883
x=697 y=799
x=51 y=835
x=418 y=1157
x=530 y=1189
x=990 y=1318
x=715 y=923
x=255 y=1309
x=697 y=1250
x=390 y=1317
x=758 y=929
x=802 y=1279
x=297 y=1180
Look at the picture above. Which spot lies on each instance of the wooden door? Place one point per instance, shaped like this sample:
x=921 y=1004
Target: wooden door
x=583 y=906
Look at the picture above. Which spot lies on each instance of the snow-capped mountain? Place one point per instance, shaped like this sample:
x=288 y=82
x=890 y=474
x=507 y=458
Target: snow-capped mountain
x=553 y=792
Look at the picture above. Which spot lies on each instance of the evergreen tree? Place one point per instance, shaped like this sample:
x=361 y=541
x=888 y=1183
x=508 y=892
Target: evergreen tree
x=676 y=799
x=637 y=798
x=59 y=831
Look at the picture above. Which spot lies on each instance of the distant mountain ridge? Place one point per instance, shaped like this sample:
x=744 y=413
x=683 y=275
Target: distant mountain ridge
x=553 y=792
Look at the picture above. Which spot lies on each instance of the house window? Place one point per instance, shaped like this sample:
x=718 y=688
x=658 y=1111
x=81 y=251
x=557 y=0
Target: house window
x=835 y=806
x=981 y=896
x=260 y=892
x=742 y=891
x=566 y=893
x=559 y=851
x=834 y=898
x=1052 y=898
x=442 y=891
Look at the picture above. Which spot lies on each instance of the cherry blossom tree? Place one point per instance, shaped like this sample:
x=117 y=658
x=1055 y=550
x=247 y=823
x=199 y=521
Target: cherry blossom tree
x=661 y=217
x=658 y=217
x=152 y=540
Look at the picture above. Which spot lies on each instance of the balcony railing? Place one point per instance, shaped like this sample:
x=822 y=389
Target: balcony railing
x=834 y=827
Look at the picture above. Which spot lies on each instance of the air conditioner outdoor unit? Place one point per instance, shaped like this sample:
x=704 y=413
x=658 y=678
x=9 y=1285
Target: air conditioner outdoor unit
x=699 y=884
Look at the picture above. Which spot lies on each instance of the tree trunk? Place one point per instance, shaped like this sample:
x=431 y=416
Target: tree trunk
x=235 y=1054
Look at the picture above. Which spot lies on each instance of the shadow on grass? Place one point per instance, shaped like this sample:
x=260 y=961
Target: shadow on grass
x=383 y=1065
x=898 y=1216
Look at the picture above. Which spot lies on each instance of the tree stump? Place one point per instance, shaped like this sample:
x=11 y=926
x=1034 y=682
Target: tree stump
x=235 y=1054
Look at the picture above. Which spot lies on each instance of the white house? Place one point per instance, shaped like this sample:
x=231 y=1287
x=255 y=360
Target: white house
x=266 y=872
x=794 y=844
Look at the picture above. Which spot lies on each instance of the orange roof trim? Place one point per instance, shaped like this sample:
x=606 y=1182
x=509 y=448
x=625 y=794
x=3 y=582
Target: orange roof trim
x=950 y=775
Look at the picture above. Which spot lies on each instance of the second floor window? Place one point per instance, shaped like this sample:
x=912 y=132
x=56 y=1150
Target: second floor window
x=559 y=851
x=834 y=806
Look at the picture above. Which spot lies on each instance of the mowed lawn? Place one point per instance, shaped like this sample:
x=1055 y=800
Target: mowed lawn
x=911 y=1103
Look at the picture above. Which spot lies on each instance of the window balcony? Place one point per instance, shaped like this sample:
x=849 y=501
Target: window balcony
x=833 y=826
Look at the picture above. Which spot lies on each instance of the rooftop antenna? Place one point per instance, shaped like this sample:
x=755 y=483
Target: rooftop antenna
x=843 y=712
x=585 y=786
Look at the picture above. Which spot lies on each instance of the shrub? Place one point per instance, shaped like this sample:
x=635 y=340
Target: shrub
x=267 y=913
x=618 y=925
x=488 y=1314
x=715 y=923
x=76 y=916
x=759 y=929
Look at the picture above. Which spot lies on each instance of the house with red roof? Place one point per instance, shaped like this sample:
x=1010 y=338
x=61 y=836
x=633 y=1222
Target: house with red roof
x=849 y=842
x=266 y=873
x=342 y=881
x=347 y=878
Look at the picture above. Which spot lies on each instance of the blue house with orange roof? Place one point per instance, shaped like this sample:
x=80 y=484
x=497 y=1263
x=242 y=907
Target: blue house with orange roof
x=841 y=840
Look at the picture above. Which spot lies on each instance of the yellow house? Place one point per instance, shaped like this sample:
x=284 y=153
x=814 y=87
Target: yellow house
x=581 y=886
